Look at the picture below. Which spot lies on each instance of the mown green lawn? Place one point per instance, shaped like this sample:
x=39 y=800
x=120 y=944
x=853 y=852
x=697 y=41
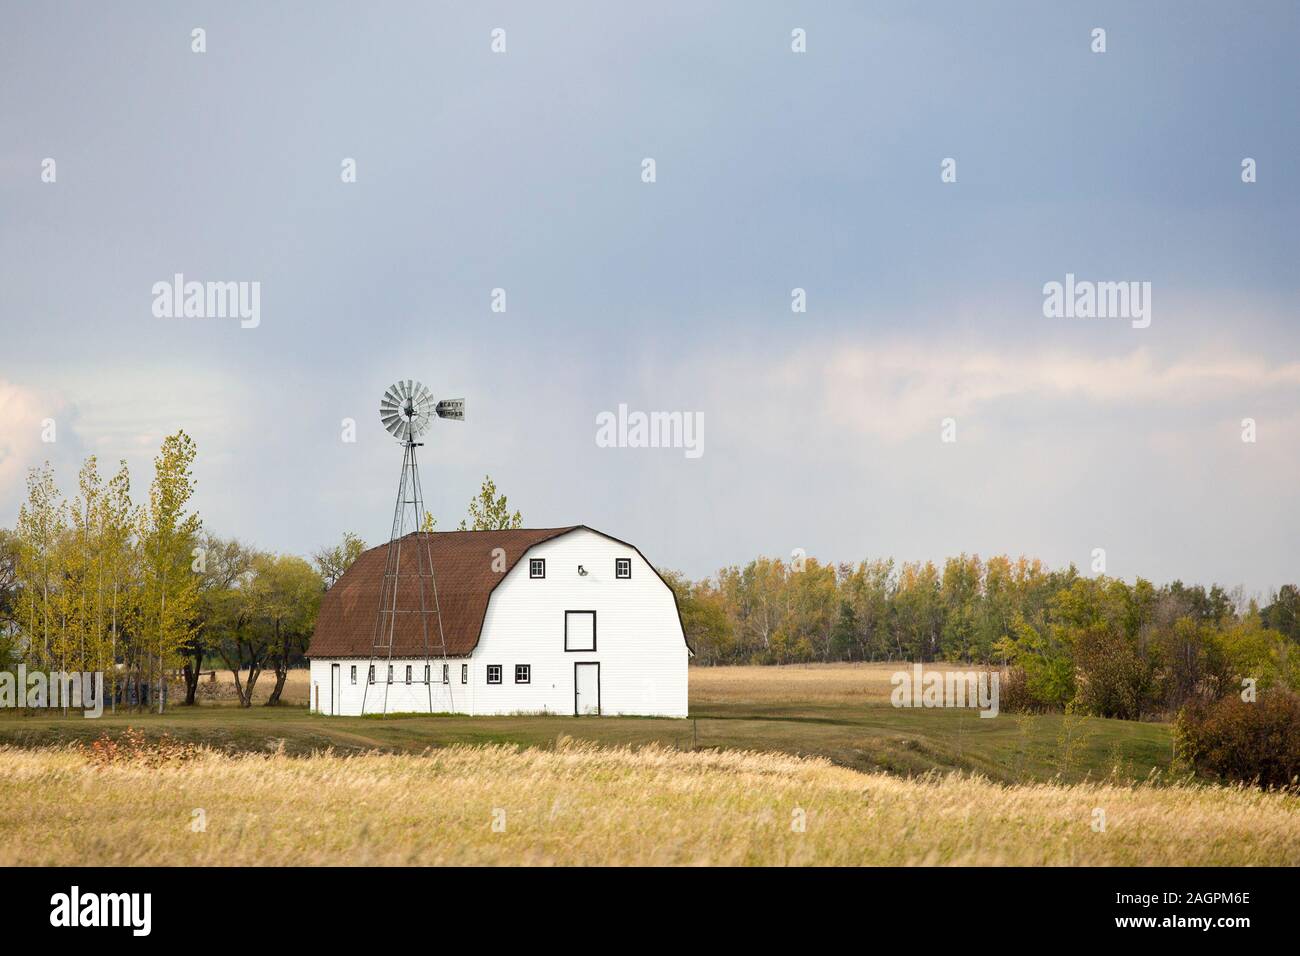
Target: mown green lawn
x=865 y=736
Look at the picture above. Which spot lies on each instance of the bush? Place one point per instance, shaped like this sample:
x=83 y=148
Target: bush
x=1234 y=740
x=1114 y=681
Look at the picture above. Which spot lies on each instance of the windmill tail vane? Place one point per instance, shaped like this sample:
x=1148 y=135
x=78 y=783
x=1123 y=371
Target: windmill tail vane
x=406 y=411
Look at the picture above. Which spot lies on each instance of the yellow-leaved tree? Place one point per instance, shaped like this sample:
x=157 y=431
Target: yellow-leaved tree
x=169 y=579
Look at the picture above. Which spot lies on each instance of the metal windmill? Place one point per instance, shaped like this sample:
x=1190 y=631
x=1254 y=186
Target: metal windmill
x=407 y=410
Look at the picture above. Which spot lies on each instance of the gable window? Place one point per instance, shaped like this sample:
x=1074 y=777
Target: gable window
x=354 y=673
x=494 y=673
x=523 y=673
x=579 y=630
x=445 y=669
x=464 y=673
x=537 y=567
x=622 y=567
x=371 y=676
x=408 y=673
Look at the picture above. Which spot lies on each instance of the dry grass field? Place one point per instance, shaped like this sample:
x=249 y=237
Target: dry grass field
x=578 y=803
x=798 y=683
x=837 y=711
x=803 y=683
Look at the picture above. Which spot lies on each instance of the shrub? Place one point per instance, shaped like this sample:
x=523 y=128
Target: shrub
x=134 y=748
x=1114 y=681
x=1250 y=742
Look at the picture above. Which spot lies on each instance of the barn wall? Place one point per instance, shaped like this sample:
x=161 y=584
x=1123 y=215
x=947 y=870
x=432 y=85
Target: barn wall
x=639 y=640
x=402 y=698
x=639 y=643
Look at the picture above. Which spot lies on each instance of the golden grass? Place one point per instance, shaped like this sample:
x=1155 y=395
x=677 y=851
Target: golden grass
x=791 y=683
x=802 y=683
x=581 y=804
x=297 y=688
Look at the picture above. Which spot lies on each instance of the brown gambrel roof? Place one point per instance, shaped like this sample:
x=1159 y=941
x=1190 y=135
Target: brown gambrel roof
x=462 y=563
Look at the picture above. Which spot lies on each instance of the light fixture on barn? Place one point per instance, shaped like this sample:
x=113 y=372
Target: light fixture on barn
x=407 y=410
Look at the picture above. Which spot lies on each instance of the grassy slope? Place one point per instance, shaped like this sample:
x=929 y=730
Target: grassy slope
x=838 y=711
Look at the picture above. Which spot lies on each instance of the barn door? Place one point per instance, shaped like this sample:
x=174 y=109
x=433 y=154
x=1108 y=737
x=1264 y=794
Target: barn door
x=336 y=688
x=586 y=688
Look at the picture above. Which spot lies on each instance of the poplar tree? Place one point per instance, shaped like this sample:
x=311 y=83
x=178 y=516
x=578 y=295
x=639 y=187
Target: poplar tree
x=42 y=521
x=117 y=521
x=169 y=585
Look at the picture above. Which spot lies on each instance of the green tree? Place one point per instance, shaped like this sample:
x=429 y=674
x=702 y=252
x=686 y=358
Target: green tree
x=489 y=511
x=288 y=593
x=332 y=562
x=237 y=629
x=117 y=521
x=225 y=562
x=704 y=618
x=42 y=522
x=169 y=586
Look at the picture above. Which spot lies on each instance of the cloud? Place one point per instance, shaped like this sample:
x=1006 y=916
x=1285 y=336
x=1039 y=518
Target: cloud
x=894 y=392
x=21 y=413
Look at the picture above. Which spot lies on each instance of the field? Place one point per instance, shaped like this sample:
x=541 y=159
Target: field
x=837 y=711
x=581 y=804
x=792 y=765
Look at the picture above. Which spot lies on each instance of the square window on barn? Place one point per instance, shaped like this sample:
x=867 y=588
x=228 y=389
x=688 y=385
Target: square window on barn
x=464 y=673
x=371 y=676
x=354 y=673
x=494 y=673
x=537 y=568
x=408 y=673
x=579 y=630
x=445 y=678
x=622 y=567
x=523 y=673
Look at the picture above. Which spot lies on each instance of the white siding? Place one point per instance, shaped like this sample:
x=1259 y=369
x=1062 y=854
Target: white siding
x=639 y=643
x=402 y=698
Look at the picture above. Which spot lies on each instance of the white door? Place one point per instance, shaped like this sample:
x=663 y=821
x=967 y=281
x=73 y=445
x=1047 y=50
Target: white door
x=586 y=688
x=336 y=688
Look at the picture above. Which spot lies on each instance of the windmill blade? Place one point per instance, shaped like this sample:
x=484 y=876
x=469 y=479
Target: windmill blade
x=451 y=408
x=408 y=409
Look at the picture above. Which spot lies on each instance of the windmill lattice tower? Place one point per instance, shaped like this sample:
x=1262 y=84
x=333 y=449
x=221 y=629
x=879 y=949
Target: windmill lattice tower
x=407 y=410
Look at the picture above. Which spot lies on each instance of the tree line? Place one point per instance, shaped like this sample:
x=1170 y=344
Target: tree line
x=146 y=595
x=1096 y=644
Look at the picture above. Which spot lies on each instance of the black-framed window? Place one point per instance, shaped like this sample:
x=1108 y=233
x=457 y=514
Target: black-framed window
x=537 y=567
x=446 y=673
x=390 y=673
x=579 y=630
x=371 y=676
x=622 y=567
x=354 y=673
x=426 y=673
x=408 y=673
x=464 y=673
x=494 y=673
x=523 y=673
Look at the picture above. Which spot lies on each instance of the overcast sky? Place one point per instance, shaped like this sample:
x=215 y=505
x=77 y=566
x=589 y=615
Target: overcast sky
x=775 y=170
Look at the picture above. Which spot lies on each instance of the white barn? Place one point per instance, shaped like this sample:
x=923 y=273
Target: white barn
x=535 y=621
